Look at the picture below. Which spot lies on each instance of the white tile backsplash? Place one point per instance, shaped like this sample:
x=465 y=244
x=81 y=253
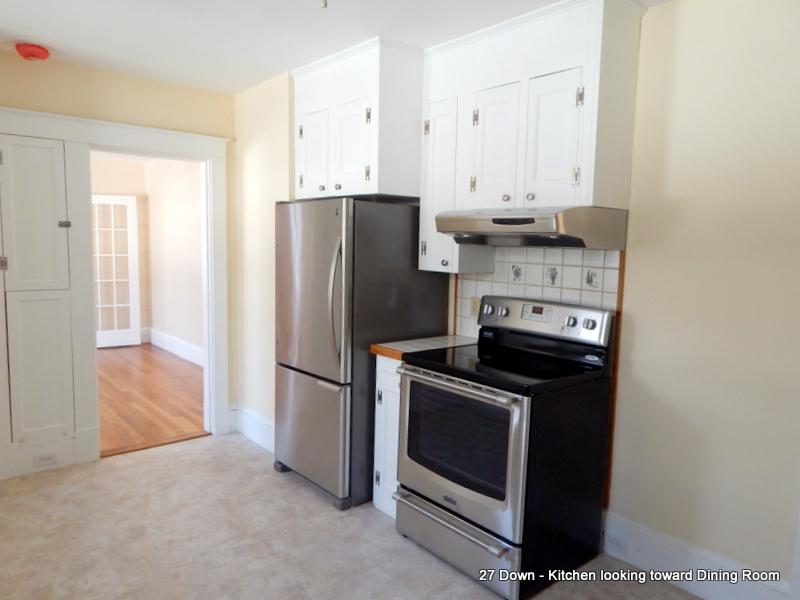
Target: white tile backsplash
x=584 y=277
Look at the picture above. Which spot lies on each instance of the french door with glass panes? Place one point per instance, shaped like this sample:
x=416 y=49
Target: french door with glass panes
x=116 y=271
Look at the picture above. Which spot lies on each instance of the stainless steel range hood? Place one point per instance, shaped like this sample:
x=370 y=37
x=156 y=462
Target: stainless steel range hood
x=563 y=226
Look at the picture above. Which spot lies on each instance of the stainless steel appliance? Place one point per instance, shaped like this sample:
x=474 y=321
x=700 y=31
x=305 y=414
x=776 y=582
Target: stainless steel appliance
x=346 y=277
x=503 y=443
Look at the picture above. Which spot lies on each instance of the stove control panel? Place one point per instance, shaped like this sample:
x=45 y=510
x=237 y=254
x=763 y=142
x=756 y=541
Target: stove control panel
x=565 y=321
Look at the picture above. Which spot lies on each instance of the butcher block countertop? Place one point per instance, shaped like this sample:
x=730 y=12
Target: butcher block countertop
x=396 y=349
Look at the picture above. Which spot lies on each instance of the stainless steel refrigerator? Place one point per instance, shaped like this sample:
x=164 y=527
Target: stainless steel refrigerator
x=347 y=277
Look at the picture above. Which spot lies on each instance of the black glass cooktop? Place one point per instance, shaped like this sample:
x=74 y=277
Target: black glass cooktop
x=517 y=371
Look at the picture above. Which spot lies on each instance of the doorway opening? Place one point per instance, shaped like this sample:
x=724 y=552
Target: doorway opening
x=150 y=299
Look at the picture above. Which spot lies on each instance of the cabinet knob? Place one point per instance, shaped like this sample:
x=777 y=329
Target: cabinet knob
x=445 y=263
x=322 y=188
x=506 y=197
x=530 y=197
x=338 y=186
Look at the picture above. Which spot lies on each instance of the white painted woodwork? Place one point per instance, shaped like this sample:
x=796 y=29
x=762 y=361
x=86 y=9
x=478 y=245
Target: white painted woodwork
x=552 y=150
x=32 y=202
x=40 y=366
x=387 y=433
x=382 y=76
x=496 y=134
x=116 y=269
x=5 y=397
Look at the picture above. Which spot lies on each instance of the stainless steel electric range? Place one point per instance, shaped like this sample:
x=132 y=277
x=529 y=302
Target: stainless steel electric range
x=503 y=444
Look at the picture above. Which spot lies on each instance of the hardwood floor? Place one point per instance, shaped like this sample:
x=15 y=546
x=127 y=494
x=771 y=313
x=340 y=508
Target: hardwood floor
x=148 y=397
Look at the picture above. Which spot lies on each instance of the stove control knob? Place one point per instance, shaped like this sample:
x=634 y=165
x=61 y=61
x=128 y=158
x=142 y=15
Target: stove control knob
x=502 y=311
x=589 y=324
x=488 y=309
x=571 y=321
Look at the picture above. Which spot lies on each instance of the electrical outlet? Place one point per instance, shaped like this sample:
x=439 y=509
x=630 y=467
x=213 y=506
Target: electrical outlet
x=474 y=306
x=615 y=544
x=44 y=460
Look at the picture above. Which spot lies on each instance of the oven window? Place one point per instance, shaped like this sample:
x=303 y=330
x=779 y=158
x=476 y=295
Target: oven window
x=461 y=439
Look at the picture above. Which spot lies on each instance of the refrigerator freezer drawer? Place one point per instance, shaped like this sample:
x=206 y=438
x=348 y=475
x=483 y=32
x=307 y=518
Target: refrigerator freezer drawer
x=312 y=429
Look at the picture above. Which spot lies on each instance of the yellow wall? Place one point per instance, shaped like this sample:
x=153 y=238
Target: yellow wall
x=263 y=177
x=707 y=443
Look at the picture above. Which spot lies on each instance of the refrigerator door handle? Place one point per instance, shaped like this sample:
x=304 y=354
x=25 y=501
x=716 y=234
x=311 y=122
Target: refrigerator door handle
x=337 y=259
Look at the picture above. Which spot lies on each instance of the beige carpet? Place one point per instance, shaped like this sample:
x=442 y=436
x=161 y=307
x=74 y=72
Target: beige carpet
x=211 y=519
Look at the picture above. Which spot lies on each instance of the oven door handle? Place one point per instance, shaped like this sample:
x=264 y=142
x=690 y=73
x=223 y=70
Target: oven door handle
x=505 y=399
x=408 y=500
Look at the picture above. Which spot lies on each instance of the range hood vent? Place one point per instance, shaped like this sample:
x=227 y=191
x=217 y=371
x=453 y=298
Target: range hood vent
x=559 y=226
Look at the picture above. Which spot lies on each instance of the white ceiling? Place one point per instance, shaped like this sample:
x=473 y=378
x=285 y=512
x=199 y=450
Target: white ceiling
x=231 y=45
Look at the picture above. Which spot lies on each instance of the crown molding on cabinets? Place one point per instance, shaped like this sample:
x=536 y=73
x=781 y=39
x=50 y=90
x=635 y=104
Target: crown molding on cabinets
x=352 y=51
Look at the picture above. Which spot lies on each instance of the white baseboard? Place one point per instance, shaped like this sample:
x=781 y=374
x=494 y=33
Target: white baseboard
x=650 y=550
x=146 y=337
x=177 y=346
x=253 y=426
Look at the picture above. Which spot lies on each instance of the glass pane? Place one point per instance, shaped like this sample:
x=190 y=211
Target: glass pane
x=120 y=216
x=104 y=215
x=120 y=242
x=123 y=292
x=106 y=264
x=121 y=265
x=104 y=242
x=106 y=293
x=123 y=317
x=106 y=319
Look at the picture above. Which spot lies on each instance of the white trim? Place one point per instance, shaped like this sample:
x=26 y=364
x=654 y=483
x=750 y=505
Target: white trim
x=254 y=426
x=648 y=550
x=335 y=58
x=177 y=346
x=794 y=588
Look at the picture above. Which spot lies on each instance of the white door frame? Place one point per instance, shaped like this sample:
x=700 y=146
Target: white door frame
x=81 y=135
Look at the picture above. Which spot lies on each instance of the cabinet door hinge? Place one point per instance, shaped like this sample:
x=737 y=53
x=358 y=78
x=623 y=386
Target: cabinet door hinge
x=3 y=263
x=369 y=115
x=301 y=132
x=579 y=97
x=377 y=477
x=380 y=396
x=366 y=173
x=65 y=223
x=423 y=248
x=301 y=181
x=475 y=117
x=472 y=183
x=1 y=158
x=427 y=129
x=576 y=176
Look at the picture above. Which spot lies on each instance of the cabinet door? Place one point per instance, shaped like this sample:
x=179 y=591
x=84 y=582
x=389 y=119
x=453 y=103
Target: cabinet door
x=40 y=366
x=350 y=169
x=552 y=149
x=496 y=134
x=387 y=431
x=33 y=202
x=5 y=397
x=312 y=155
x=438 y=184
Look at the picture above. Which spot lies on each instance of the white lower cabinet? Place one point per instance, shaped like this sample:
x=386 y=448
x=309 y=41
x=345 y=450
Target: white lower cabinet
x=387 y=433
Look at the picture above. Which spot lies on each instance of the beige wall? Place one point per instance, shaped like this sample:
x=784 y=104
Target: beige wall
x=706 y=445
x=121 y=178
x=175 y=193
x=263 y=177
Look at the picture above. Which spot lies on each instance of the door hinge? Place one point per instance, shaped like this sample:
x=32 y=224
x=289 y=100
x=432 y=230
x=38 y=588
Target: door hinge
x=380 y=396
x=475 y=117
x=369 y=115
x=301 y=132
x=377 y=477
x=301 y=181
x=65 y=223
x=472 y=183
x=423 y=248
x=427 y=129
x=576 y=176
x=366 y=173
x=3 y=263
x=579 y=97
x=1 y=158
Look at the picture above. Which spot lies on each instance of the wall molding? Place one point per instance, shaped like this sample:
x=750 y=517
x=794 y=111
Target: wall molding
x=177 y=346
x=648 y=549
x=254 y=426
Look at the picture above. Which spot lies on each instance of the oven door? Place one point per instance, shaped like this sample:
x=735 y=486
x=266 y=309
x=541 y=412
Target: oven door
x=465 y=448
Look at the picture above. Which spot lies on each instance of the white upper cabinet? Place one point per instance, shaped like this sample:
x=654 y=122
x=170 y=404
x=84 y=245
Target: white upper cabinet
x=358 y=122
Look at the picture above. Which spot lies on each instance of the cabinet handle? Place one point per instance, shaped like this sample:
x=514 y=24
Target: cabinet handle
x=506 y=197
x=322 y=188
x=338 y=186
x=445 y=263
x=530 y=196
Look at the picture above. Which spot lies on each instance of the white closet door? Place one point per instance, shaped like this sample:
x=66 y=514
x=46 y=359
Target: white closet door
x=312 y=155
x=5 y=397
x=496 y=146
x=116 y=271
x=34 y=213
x=40 y=361
x=553 y=127
x=350 y=149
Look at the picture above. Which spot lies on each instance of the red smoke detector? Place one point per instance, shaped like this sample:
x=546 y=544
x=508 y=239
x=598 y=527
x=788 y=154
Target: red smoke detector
x=32 y=52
